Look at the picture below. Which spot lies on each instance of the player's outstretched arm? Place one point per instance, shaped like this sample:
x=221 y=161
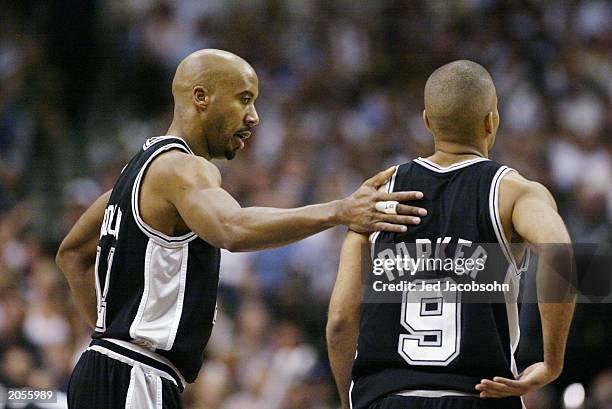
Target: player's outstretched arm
x=535 y=218
x=344 y=314
x=77 y=255
x=193 y=186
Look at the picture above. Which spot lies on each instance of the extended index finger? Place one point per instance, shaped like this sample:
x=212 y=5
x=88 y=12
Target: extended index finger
x=401 y=196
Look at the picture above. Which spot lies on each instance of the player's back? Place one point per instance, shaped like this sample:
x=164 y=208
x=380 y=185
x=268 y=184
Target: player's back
x=425 y=343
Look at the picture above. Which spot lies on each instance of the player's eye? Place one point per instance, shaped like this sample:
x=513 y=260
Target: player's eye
x=246 y=100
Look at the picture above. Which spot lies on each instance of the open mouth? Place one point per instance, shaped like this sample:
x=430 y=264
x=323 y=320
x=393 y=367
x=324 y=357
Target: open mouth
x=243 y=135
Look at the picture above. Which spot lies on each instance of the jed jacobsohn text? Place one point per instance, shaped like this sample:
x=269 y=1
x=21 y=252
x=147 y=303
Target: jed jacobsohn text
x=467 y=260
x=439 y=286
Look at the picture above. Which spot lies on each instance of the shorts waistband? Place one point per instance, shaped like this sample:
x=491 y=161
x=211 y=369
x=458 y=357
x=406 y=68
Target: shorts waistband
x=434 y=393
x=137 y=353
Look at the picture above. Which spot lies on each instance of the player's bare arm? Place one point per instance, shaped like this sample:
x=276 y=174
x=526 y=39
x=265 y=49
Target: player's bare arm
x=531 y=212
x=344 y=313
x=77 y=255
x=187 y=189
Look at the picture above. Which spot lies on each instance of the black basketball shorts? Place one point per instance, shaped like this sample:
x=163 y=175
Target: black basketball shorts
x=106 y=379
x=446 y=402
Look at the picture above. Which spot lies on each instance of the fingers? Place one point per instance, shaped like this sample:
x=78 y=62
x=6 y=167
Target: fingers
x=399 y=219
x=508 y=382
x=410 y=210
x=381 y=178
x=495 y=395
x=400 y=196
x=386 y=207
x=393 y=228
x=487 y=391
x=496 y=389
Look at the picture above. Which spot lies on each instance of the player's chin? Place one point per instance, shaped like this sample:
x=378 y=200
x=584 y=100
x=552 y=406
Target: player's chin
x=230 y=153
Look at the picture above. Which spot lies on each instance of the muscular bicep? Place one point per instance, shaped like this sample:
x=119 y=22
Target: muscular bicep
x=535 y=217
x=207 y=211
x=193 y=187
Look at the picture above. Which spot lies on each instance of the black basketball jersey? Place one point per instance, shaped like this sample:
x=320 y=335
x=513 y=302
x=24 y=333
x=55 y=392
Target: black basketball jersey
x=425 y=344
x=155 y=291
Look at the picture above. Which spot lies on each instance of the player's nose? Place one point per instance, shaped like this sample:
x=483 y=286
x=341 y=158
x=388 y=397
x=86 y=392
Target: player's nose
x=252 y=118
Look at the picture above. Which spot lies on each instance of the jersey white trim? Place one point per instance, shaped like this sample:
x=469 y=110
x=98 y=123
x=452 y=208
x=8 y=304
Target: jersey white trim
x=150 y=354
x=159 y=397
x=152 y=141
x=513 y=273
x=440 y=169
x=496 y=217
x=130 y=361
x=159 y=237
x=98 y=290
x=433 y=394
x=513 y=326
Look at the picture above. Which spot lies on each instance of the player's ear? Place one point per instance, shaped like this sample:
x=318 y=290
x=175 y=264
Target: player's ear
x=489 y=124
x=426 y=120
x=200 y=97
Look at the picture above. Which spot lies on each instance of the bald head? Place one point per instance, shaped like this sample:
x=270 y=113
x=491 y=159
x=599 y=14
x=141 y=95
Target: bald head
x=214 y=102
x=458 y=98
x=208 y=68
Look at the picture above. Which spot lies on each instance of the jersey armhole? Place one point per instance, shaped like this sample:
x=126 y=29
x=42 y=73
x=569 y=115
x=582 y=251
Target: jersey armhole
x=514 y=271
x=155 y=235
x=495 y=216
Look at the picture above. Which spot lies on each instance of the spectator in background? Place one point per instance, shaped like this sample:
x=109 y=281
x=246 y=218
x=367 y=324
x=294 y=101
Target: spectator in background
x=62 y=141
x=601 y=390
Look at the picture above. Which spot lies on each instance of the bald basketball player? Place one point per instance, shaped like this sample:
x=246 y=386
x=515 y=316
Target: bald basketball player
x=143 y=261
x=435 y=353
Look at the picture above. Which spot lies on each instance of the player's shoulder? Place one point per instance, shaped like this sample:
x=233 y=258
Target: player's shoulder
x=515 y=186
x=178 y=168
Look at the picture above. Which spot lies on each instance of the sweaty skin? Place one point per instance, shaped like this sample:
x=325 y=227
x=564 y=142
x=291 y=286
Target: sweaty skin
x=527 y=209
x=214 y=93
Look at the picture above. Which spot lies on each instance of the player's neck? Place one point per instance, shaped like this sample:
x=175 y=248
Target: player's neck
x=448 y=153
x=197 y=145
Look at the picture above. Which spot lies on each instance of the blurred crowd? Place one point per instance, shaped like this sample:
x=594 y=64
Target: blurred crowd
x=84 y=83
